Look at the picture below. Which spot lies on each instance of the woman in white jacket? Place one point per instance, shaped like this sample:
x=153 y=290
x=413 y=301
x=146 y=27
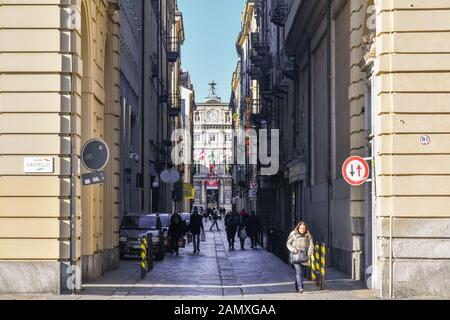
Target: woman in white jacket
x=301 y=245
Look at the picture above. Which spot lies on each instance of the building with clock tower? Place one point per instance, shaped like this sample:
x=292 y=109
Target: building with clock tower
x=213 y=152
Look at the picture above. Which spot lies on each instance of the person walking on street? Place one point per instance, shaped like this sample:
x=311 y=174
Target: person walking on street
x=196 y=228
x=215 y=218
x=231 y=228
x=253 y=229
x=242 y=231
x=177 y=229
x=209 y=212
x=301 y=246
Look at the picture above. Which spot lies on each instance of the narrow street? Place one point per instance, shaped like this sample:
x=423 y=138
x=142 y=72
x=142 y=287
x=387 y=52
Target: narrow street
x=218 y=273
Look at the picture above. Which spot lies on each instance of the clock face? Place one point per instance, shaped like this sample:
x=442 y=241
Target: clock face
x=213 y=115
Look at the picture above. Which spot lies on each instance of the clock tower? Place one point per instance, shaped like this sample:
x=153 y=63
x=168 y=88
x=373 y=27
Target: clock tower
x=213 y=152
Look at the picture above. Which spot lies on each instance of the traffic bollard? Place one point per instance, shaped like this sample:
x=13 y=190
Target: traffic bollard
x=312 y=262
x=144 y=246
x=323 y=253
x=317 y=262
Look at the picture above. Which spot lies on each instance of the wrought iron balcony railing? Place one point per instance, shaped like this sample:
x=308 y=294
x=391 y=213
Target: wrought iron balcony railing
x=173 y=49
x=280 y=10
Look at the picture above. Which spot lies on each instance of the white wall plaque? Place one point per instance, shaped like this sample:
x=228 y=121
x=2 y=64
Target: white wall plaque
x=38 y=165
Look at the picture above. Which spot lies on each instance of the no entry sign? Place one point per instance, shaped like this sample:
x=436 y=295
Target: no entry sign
x=355 y=171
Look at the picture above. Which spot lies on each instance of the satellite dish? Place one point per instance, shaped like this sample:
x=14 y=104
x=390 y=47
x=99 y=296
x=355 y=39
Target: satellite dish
x=170 y=176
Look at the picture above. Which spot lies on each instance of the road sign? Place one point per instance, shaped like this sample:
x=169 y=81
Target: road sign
x=92 y=178
x=95 y=155
x=355 y=171
x=189 y=191
x=253 y=193
x=254 y=184
x=170 y=176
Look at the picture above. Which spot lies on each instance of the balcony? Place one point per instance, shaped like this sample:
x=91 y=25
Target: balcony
x=259 y=45
x=175 y=102
x=280 y=12
x=280 y=85
x=254 y=72
x=173 y=49
x=164 y=96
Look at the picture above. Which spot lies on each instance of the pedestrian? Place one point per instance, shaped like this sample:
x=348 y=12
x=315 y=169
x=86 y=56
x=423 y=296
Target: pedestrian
x=242 y=231
x=215 y=218
x=253 y=229
x=205 y=214
x=209 y=212
x=177 y=229
x=196 y=228
x=231 y=228
x=301 y=246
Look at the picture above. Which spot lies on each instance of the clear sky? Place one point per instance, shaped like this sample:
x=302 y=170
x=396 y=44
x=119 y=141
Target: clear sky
x=209 y=51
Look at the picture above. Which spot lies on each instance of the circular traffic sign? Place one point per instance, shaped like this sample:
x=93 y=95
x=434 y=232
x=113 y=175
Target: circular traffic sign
x=170 y=176
x=355 y=171
x=95 y=155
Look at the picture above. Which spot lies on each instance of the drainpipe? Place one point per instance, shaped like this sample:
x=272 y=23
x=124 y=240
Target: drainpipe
x=73 y=173
x=391 y=280
x=329 y=92
x=142 y=158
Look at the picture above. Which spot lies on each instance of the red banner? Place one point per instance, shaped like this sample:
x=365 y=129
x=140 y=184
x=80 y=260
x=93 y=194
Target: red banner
x=212 y=184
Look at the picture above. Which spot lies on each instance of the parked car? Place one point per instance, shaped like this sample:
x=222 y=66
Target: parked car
x=135 y=226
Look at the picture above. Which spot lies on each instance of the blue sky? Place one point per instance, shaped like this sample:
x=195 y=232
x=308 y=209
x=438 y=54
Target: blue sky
x=209 y=52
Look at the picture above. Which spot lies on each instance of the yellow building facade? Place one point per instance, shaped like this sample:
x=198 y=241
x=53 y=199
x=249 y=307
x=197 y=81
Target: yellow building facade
x=59 y=63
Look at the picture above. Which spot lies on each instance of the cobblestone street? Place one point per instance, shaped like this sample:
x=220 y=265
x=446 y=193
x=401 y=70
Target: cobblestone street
x=216 y=273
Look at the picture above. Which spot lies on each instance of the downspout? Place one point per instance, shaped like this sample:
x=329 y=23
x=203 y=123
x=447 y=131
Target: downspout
x=142 y=158
x=73 y=172
x=329 y=93
x=391 y=280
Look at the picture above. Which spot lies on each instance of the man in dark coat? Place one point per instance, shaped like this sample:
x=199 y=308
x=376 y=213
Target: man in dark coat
x=242 y=230
x=231 y=225
x=253 y=226
x=196 y=227
x=177 y=229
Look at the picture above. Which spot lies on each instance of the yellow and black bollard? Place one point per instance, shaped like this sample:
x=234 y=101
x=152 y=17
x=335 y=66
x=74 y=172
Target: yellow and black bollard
x=312 y=262
x=144 y=246
x=317 y=263
x=323 y=252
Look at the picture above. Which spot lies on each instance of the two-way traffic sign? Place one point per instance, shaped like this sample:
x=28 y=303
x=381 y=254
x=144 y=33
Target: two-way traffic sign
x=355 y=171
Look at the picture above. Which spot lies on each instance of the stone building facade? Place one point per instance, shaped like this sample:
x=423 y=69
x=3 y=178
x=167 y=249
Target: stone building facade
x=59 y=87
x=367 y=78
x=71 y=71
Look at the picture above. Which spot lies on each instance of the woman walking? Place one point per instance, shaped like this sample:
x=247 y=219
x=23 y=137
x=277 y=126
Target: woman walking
x=301 y=245
x=177 y=229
